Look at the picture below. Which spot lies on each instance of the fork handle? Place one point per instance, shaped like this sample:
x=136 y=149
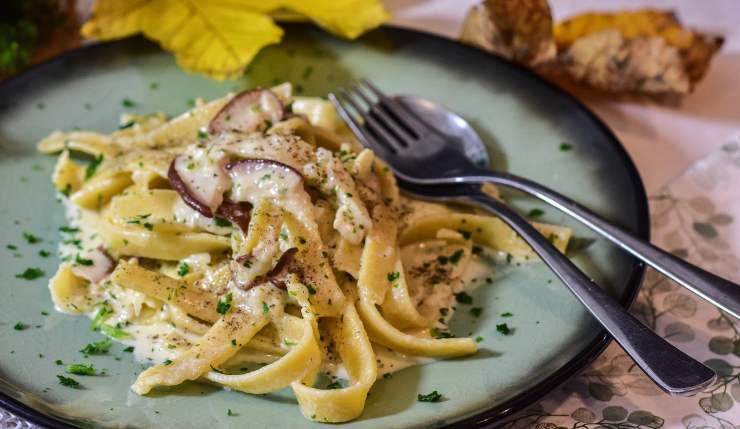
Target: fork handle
x=671 y=369
x=717 y=290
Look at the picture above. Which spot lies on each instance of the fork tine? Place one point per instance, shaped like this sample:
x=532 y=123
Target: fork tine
x=385 y=137
x=365 y=138
x=398 y=109
x=388 y=120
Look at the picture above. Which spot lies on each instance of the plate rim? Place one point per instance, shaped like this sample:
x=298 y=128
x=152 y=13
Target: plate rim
x=497 y=414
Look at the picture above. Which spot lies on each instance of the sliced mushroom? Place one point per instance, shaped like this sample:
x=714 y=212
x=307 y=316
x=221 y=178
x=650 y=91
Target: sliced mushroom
x=200 y=179
x=93 y=266
x=254 y=179
x=247 y=112
x=238 y=213
x=277 y=276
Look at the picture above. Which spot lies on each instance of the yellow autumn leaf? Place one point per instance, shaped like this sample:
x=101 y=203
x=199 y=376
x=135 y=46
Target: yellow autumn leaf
x=221 y=37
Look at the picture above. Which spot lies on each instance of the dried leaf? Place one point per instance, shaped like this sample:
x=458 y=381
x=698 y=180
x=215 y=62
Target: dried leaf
x=221 y=37
x=645 y=51
x=517 y=29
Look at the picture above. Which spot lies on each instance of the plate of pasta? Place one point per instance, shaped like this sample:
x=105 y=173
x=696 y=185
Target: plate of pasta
x=183 y=252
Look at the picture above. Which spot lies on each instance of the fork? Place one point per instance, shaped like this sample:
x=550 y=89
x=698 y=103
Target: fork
x=420 y=154
x=671 y=369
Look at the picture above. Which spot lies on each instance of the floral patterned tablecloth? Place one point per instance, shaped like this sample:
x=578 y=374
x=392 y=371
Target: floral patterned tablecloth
x=694 y=217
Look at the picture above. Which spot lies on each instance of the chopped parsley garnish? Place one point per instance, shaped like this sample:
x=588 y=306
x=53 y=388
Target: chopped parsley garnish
x=148 y=226
x=93 y=166
x=81 y=369
x=183 y=269
x=478 y=339
x=202 y=135
x=59 y=362
x=19 y=326
x=67 y=190
x=100 y=316
x=12 y=247
x=44 y=253
x=127 y=102
x=535 y=213
x=476 y=311
x=265 y=308
x=438 y=333
x=30 y=238
x=503 y=329
x=129 y=349
x=429 y=397
x=455 y=257
x=128 y=124
x=221 y=221
x=97 y=348
x=233 y=342
x=83 y=261
x=393 y=276
x=113 y=331
x=69 y=382
x=30 y=274
x=507 y=314
x=167 y=362
x=224 y=304
x=463 y=298
x=336 y=384
x=443 y=259
x=289 y=343
x=565 y=147
x=44 y=313
x=311 y=290
x=230 y=413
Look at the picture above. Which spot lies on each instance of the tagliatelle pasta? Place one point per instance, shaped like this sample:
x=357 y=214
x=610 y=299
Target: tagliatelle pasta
x=252 y=243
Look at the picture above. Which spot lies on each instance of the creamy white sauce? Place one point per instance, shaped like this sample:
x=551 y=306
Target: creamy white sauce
x=202 y=170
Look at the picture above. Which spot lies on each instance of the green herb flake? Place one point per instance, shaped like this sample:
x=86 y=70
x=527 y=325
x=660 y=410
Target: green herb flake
x=114 y=332
x=202 y=135
x=68 y=229
x=93 y=166
x=455 y=257
x=265 y=308
x=233 y=342
x=476 y=311
x=535 y=213
x=81 y=369
x=30 y=238
x=12 y=247
x=167 y=362
x=224 y=304
x=44 y=253
x=59 y=362
x=69 y=382
x=30 y=274
x=221 y=222
x=183 y=269
x=387 y=375
x=289 y=343
x=507 y=314
x=128 y=103
x=336 y=384
x=83 y=261
x=429 y=397
x=503 y=329
x=565 y=147
x=129 y=349
x=19 y=326
x=44 y=313
x=230 y=413
x=311 y=290
x=439 y=333
x=463 y=298
x=478 y=339
x=392 y=277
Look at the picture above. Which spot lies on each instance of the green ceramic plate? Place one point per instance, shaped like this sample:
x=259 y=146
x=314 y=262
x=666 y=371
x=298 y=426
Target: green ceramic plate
x=524 y=120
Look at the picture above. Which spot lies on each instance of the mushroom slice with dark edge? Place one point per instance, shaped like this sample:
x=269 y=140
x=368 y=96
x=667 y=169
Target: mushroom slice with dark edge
x=278 y=274
x=253 y=179
x=93 y=266
x=247 y=112
x=237 y=213
x=200 y=180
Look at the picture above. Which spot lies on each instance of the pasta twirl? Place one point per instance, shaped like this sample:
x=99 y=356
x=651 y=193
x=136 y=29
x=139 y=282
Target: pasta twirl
x=252 y=243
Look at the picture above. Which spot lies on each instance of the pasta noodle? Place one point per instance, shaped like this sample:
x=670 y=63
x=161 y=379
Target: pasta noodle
x=252 y=243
